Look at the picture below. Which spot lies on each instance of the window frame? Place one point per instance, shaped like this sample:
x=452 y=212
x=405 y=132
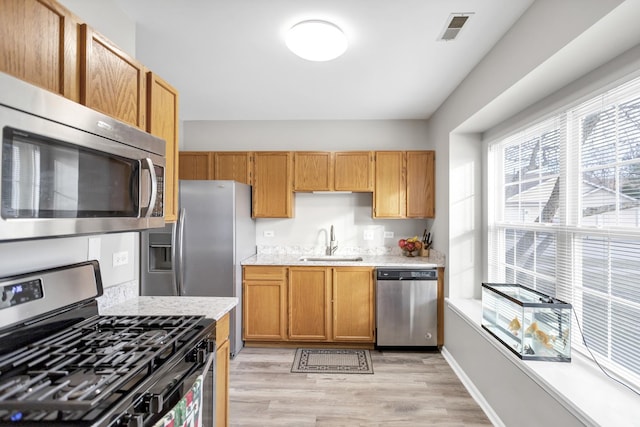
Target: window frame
x=570 y=230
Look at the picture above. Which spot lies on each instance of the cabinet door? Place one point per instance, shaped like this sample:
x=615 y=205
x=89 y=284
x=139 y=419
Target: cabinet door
x=353 y=304
x=272 y=189
x=353 y=171
x=110 y=80
x=235 y=166
x=312 y=171
x=309 y=303
x=420 y=184
x=162 y=121
x=389 y=195
x=222 y=384
x=264 y=310
x=38 y=41
x=195 y=165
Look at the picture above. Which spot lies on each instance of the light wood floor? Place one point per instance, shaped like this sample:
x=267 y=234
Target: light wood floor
x=406 y=389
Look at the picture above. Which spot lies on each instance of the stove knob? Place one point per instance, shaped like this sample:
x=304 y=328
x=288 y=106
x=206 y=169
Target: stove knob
x=153 y=403
x=131 y=420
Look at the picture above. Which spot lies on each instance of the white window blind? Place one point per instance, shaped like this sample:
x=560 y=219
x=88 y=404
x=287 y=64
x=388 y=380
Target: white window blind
x=564 y=219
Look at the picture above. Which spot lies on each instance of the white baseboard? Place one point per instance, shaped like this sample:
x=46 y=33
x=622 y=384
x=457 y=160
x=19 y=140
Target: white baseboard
x=471 y=388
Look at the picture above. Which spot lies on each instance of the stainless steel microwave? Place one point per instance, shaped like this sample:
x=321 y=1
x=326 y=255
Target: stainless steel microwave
x=67 y=170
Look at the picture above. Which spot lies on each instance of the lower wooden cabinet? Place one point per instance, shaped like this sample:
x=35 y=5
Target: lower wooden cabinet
x=308 y=304
x=353 y=301
x=264 y=303
x=223 y=350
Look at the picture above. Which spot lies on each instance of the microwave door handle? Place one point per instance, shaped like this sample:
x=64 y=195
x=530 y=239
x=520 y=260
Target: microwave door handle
x=148 y=164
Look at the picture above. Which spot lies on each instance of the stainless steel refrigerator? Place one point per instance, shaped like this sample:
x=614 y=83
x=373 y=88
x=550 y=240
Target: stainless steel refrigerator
x=200 y=255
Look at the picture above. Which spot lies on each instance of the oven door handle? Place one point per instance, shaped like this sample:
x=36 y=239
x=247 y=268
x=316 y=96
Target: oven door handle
x=147 y=164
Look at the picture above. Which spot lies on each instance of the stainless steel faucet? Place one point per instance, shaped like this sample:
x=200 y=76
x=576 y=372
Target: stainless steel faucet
x=333 y=244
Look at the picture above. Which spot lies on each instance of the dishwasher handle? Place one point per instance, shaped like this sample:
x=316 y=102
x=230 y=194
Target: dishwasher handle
x=405 y=274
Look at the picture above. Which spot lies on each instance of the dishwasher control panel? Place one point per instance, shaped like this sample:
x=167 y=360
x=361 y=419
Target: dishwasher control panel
x=398 y=274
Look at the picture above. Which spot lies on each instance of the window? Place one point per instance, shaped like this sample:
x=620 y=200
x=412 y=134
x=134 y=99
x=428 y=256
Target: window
x=564 y=219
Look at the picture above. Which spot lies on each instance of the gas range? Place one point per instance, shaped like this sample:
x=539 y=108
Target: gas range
x=69 y=366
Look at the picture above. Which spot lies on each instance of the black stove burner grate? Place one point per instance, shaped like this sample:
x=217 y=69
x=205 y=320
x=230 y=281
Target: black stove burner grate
x=80 y=371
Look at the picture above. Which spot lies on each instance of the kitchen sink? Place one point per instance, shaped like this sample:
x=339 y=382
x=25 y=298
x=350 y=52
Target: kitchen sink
x=331 y=258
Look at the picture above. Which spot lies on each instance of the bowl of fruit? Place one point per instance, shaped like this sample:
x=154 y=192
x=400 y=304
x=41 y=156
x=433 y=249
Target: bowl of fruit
x=410 y=246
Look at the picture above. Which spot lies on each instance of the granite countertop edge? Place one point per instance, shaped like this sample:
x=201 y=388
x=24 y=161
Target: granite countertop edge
x=432 y=261
x=210 y=307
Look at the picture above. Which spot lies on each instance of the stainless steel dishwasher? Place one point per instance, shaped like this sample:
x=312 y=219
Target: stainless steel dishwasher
x=407 y=307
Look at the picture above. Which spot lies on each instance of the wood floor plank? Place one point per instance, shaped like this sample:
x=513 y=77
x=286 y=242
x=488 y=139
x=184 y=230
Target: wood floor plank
x=406 y=389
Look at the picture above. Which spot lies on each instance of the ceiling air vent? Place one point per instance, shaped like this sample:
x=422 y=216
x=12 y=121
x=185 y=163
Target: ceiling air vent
x=454 y=25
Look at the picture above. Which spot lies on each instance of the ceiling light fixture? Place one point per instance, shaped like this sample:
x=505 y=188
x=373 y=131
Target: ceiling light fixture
x=316 y=40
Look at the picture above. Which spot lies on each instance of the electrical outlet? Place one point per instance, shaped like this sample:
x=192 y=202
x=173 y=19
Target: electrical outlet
x=120 y=258
x=368 y=235
x=388 y=234
x=269 y=233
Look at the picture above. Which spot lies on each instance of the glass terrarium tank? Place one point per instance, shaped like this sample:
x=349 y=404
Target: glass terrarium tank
x=531 y=324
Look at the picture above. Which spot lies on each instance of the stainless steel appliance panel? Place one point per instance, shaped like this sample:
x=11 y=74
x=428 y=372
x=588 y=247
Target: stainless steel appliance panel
x=66 y=169
x=213 y=234
x=156 y=261
x=407 y=309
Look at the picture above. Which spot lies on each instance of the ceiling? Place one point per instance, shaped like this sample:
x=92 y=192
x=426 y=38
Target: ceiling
x=228 y=58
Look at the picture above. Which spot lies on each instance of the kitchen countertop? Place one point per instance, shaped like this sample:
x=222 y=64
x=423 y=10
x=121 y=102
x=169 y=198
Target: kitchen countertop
x=435 y=259
x=210 y=307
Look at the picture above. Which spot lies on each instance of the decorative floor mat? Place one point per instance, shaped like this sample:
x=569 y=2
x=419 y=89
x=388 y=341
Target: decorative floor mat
x=332 y=361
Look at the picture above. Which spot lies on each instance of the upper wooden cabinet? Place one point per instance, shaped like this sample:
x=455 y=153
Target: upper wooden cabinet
x=38 y=41
x=421 y=178
x=353 y=171
x=389 y=194
x=110 y=80
x=312 y=171
x=195 y=165
x=232 y=165
x=162 y=121
x=272 y=189
x=333 y=171
x=405 y=184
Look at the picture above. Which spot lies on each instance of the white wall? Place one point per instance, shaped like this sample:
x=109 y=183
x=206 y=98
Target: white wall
x=465 y=194
x=321 y=135
x=31 y=255
x=315 y=213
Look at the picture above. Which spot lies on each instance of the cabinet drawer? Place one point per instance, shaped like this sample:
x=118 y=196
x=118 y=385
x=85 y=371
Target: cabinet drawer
x=261 y=272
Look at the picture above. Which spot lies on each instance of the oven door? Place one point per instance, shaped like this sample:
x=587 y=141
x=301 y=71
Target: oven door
x=183 y=396
x=58 y=180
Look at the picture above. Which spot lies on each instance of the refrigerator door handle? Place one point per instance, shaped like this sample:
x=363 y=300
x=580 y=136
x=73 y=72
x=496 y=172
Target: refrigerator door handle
x=177 y=255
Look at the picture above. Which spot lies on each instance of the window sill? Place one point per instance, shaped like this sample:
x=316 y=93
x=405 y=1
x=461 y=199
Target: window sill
x=579 y=386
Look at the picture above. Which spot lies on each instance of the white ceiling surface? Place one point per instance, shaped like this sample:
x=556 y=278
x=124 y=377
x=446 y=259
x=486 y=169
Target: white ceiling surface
x=228 y=58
